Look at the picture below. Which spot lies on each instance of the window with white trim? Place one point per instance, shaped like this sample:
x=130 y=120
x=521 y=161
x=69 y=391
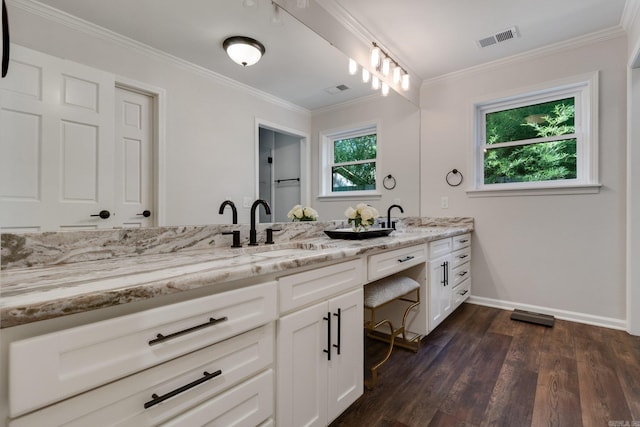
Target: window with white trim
x=349 y=162
x=545 y=139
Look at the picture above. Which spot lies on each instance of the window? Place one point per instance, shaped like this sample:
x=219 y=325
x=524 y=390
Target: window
x=540 y=140
x=349 y=162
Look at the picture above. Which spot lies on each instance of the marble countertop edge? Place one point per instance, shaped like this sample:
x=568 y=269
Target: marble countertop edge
x=39 y=293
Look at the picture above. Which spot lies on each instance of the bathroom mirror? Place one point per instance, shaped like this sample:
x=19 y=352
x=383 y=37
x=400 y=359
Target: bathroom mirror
x=298 y=67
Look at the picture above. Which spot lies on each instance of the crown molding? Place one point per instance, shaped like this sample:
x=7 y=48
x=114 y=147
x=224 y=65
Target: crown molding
x=77 y=24
x=574 y=43
x=345 y=104
x=630 y=13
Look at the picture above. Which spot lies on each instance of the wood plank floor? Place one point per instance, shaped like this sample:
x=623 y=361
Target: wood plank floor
x=480 y=368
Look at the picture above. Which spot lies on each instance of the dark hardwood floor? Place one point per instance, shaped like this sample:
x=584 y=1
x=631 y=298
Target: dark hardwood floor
x=480 y=368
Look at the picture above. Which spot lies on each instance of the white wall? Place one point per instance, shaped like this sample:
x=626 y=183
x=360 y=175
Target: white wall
x=560 y=254
x=398 y=152
x=210 y=124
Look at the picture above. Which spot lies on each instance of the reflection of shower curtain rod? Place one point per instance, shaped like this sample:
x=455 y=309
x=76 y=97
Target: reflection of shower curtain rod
x=290 y=179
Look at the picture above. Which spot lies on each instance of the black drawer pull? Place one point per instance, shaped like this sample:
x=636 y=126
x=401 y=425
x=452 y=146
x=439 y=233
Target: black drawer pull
x=160 y=338
x=464 y=292
x=155 y=399
x=463 y=256
x=407 y=258
x=463 y=241
x=462 y=273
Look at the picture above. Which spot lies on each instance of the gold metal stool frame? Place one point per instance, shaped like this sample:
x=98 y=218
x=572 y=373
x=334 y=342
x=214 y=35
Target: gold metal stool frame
x=371 y=325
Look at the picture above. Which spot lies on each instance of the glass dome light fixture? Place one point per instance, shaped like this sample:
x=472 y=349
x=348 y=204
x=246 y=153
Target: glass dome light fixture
x=243 y=50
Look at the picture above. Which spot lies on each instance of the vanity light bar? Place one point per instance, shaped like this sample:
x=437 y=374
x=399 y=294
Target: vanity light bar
x=383 y=63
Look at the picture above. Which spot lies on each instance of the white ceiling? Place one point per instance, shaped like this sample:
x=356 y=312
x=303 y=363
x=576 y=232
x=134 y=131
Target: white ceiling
x=430 y=37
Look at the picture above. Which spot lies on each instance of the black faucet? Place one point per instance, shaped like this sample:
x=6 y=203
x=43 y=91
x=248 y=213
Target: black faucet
x=389 y=224
x=234 y=211
x=252 y=232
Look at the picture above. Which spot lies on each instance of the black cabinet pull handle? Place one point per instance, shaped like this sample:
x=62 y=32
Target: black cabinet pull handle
x=407 y=258
x=462 y=273
x=445 y=268
x=444 y=273
x=464 y=292
x=464 y=241
x=155 y=399
x=339 y=316
x=145 y=213
x=463 y=256
x=160 y=338
x=104 y=214
x=328 y=350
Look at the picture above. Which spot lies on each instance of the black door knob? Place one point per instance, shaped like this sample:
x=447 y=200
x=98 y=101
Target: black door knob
x=145 y=213
x=104 y=214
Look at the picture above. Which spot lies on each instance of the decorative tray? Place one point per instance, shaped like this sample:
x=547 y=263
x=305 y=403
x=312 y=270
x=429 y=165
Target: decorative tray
x=349 y=234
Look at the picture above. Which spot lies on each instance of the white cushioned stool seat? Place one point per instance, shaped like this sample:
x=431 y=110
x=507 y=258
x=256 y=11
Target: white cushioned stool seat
x=384 y=290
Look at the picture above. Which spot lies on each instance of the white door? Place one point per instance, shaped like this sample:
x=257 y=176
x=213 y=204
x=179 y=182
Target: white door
x=302 y=367
x=57 y=154
x=133 y=168
x=346 y=376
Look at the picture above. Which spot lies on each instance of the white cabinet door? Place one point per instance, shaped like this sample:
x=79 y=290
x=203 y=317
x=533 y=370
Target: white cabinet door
x=316 y=383
x=440 y=285
x=346 y=366
x=302 y=367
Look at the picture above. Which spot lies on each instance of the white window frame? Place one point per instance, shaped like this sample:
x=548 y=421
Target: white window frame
x=584 y=89
x=327 y=139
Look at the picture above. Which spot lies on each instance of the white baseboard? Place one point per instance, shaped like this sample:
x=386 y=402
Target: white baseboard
x=605 y=322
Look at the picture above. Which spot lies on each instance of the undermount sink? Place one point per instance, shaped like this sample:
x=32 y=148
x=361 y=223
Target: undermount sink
x=283 y=249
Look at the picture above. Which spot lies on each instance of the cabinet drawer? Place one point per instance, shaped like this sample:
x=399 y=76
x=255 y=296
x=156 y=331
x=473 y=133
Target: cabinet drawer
x=387 y=263
x=247 y=404
x=460 y=273
x=300 y=289
x=461 y=241
x=122 y=402
x=461 y=292
x=461 y=256
x=78 y=359
x=439 y=248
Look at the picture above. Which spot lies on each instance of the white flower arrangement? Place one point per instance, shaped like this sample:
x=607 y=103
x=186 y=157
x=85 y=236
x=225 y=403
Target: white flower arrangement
x=362 y=217
x=299 y=213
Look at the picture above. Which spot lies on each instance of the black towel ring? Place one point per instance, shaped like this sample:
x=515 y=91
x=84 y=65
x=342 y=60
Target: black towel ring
x=454 y=172
x=389 y=182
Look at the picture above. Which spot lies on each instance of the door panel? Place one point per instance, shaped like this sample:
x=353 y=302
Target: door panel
x=68 y=150
x=133 y=158
x=56 y=144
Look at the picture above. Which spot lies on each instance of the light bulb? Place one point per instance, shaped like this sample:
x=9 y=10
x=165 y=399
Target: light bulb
x=366 y=75
x=405 y=81
x=386 y=66
x=397 y=74
x=375 y=83
x=353 y=67
x=385 y=89
x=375 y=57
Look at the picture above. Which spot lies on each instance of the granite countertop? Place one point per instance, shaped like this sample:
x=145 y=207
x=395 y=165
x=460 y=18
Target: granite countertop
x=40 y=292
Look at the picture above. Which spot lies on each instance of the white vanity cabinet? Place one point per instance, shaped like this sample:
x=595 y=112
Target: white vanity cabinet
x=320 y=344
x=151 y=366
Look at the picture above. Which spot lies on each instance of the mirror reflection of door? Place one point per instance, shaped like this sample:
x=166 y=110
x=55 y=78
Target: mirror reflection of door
x=75 y=151
x=279 y=173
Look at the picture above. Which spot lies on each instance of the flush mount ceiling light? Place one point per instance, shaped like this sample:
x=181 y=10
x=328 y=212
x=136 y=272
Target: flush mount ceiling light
x=243 y=50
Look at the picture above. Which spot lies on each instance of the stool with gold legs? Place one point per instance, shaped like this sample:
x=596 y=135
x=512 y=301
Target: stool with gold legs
x=380 y=293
